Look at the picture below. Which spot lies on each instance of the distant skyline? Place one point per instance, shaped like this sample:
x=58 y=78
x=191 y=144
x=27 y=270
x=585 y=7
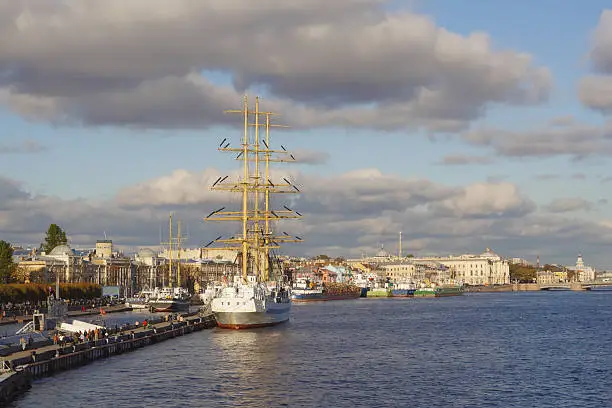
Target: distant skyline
x=464 y=125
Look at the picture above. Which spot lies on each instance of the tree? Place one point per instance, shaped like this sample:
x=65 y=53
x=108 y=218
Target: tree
x=55 y=236
x=322 y=257
x=552 y=268
x=6 y=261
x=20 y=274
x=522 y=273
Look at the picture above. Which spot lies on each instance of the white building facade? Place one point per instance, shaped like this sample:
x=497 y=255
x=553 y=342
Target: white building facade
x=487 y=268
x=584 y=273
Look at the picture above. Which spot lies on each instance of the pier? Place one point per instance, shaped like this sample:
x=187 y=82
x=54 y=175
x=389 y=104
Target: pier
x=20 y=367
x=71 y=313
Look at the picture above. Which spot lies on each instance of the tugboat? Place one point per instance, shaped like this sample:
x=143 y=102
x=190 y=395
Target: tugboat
x=259 y=296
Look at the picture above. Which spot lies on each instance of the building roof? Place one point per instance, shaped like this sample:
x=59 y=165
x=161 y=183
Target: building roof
x=146 y=253
x=488 y=253
x=62 y=250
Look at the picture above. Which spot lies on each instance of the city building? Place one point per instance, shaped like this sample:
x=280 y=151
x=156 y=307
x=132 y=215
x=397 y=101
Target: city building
x=582 y=272
x=487 y=268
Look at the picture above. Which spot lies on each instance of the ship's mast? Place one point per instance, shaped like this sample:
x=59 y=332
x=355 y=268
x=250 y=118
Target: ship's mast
x=256 y=229
x=245 y=191
x=256 y=239
x=178 y=266
x=267 y=201
x=170 y=281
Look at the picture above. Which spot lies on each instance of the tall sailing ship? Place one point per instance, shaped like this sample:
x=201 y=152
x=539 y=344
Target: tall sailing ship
x=260 y=295
x=171 y=298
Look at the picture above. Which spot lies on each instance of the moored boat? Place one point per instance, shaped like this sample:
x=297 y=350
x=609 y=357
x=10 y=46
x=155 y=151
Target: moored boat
x=259 y=296
x=439 y=291
x=250 y=304
x=326 y=292
x=402 y=292
x=169 y=299
x=379 y=292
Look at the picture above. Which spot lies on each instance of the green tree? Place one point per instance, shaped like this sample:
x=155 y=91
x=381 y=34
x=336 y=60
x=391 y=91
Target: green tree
x=6 y=261
x=522 y=273
x=55 y=236
x=322 y=257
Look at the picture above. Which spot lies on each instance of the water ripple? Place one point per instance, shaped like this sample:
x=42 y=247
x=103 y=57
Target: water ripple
x=479 y=350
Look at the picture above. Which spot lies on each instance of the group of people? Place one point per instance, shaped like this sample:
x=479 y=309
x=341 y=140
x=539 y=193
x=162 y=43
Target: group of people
x=9 y=310
x=84 y=336
x=26 y=343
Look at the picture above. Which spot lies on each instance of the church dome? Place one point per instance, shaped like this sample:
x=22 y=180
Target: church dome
x=146 y=253
x=62 y=250
x=488 y=253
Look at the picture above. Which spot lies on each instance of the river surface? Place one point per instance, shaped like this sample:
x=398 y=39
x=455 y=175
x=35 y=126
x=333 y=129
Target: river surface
x=525 y=349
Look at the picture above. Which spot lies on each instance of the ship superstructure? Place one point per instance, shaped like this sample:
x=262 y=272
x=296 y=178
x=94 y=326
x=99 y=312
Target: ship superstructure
x=259 y=296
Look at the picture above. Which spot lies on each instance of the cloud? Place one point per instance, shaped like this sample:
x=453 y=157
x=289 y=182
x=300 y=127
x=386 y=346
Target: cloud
x=547 y=176
x=314 y=157
x=350 y=63
x=460 y=160
x=561 y=205
x=487 y=200
x=577 y=140
x=562 y=121
x=344 y=215
x=27 y=146
x=594 y=90
x=601 y=50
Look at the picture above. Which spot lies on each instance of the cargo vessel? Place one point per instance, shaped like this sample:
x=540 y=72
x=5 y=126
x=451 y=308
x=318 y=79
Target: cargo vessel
x=324 y=292
x=403 y=292
x=439 y=291
x=379 y=292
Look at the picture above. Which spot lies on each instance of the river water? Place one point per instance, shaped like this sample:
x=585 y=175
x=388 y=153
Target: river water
x=550 y=349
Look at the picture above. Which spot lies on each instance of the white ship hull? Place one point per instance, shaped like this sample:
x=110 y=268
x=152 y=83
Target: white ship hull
x=249 y=306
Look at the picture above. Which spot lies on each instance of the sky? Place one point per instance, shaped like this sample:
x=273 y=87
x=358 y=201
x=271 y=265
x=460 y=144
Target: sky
x=464 y=125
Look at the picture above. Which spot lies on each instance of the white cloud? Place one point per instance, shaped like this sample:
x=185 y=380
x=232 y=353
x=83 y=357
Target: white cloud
x=601 y=51
x=594 y=90
x=568 y=204
x=460 y=160
x=350 y=63
x=344 y=215
x=25 y=146
x=577 y=140
x=486 y=200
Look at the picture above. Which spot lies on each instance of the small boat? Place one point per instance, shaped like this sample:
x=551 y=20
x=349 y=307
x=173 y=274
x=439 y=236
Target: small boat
x=168 y=299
